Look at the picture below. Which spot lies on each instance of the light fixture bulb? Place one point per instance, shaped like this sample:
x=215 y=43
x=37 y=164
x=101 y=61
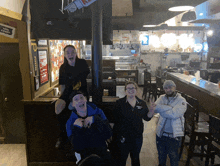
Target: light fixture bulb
x=149 y=25
x=180 y=8
x=210 y=33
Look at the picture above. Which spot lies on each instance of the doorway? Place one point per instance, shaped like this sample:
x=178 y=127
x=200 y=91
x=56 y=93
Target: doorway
x=11 y=94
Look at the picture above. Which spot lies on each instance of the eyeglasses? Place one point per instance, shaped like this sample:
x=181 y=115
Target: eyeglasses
x=131 y=88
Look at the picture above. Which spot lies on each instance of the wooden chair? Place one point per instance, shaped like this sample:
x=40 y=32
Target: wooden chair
x=159 y=86
x=214 y=130
x=198 y=137
x=195 y=104
x=149 y=87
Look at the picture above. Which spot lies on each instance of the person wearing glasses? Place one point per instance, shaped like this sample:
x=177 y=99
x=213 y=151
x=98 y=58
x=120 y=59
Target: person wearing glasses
x=72 y=76
x=128 y=126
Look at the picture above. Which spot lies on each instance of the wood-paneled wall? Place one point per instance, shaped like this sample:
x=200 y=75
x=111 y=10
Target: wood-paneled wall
x=24 y=64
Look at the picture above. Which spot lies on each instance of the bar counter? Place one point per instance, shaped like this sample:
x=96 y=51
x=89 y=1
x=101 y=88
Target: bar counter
x=207 y=93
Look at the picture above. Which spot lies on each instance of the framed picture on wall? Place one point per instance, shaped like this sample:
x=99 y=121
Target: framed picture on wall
x=43 y=66
x=56 y=53
x=42 y=42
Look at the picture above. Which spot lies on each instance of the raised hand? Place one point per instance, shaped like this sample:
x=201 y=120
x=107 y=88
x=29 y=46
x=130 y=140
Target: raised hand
x=79 y=122
x=152 y=105
x=88 y=121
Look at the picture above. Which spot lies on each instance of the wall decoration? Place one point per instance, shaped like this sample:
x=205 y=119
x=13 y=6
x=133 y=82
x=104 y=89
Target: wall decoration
x=145 y=40
x=42 y=43
x=36 y=83
x=34 y=57
x=7 y=31
x=42 y=56
x=125 y=38
x=57 y=55
x=198 y=47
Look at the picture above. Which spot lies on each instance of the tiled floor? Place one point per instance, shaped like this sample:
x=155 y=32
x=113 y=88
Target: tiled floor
x=15 y=155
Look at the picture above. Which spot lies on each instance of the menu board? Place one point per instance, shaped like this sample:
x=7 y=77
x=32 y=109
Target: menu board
x=42 y=55
x=57 y=55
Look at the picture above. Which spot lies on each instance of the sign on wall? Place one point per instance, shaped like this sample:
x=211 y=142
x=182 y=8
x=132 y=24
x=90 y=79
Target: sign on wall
x=34 y=56
x=7 y=31
x=42 y=43
x=42 y=55
x=145 y=40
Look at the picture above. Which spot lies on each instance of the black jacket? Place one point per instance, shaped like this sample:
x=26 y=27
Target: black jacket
x=128 y=121
x=70 y=75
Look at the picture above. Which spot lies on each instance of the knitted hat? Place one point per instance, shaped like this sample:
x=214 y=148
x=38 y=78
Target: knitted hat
x=74 y=93
x=168 y=84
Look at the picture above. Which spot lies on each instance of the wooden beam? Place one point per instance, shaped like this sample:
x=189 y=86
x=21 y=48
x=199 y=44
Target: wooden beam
x=9 y=13
x=4 y=39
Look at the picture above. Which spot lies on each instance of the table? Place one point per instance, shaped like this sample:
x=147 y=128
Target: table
x=110 y=85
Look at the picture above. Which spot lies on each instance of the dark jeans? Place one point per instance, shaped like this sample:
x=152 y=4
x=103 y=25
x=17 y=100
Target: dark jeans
x=62 y=118
x=168 y=146
x=122 y=150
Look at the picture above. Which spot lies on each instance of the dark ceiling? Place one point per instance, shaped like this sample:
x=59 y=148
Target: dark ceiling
x=77 y=25
x=149 y=12
x=74 y=26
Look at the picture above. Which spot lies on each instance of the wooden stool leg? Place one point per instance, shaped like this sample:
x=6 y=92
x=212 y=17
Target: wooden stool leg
x=182 y=146
x=188 y=161
x=191 y=149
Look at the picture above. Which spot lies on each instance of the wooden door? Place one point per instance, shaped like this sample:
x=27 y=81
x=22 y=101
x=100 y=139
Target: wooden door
x=11 y=94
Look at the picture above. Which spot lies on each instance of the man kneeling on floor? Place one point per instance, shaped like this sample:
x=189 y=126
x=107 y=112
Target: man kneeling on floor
x=87 y=128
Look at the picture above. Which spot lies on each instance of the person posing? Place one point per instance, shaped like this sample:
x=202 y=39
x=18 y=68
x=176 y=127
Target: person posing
x=87 y=128
x=170 y=128
x=72 y=75
x=128 y=126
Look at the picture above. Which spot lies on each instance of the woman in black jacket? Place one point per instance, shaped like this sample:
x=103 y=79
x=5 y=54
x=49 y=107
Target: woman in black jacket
x=128 y=126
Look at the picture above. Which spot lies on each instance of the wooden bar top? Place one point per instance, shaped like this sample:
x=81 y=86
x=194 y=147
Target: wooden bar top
x=207 y=93
x=204 y=85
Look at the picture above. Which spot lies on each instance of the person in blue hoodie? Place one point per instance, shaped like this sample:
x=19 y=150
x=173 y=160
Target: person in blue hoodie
x=87 y=128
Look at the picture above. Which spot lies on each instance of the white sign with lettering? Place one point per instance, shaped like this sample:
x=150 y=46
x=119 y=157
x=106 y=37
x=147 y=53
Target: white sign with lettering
x=7 y=30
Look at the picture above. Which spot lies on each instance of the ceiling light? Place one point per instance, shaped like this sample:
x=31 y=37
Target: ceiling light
x=149 y=25
x=191 y=35
x=201 y=14
x=210 y=33
x=180 y=8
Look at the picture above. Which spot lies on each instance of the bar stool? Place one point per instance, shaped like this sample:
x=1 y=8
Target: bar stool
x=214 y=130
x=198 y=137
x=182 y=94
x=195 y=104
x=149 y=86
